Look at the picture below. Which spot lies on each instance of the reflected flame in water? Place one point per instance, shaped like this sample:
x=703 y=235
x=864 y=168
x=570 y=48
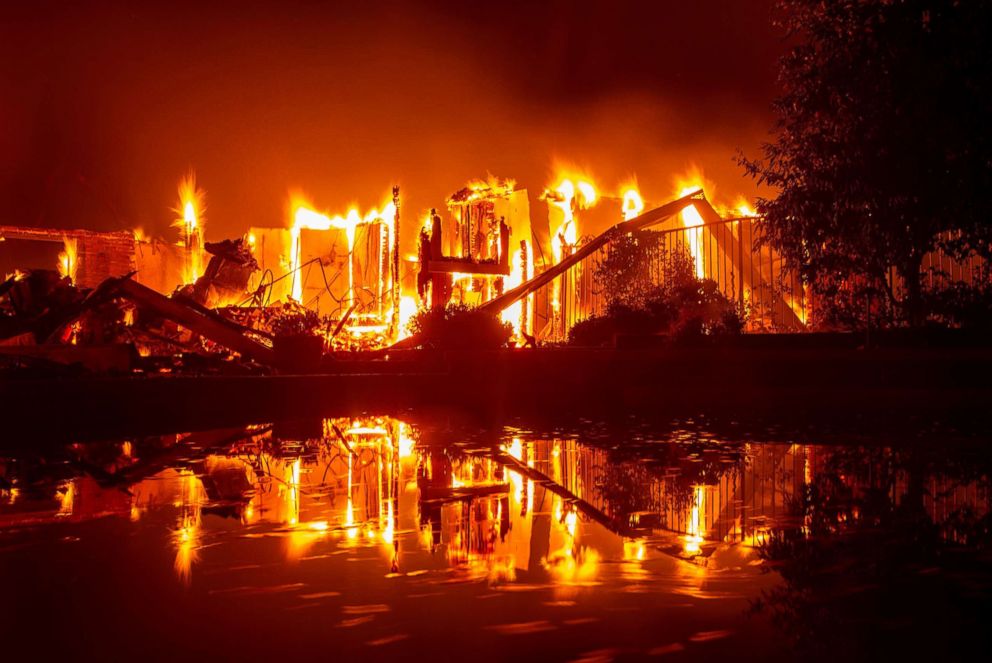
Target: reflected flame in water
x=694 y=535
x=187 y=535
x=66 y=496
x=375 y=483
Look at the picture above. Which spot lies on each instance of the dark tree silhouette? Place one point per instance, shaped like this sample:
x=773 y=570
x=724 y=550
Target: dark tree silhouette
x=882 y=148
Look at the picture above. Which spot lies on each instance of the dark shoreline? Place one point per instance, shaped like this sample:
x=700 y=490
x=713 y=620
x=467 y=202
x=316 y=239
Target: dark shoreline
x=782 y=383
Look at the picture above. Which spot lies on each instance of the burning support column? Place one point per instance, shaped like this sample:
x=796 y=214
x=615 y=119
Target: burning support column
x=395 y=275
x=68 y=258
x=564 y=201
x=190 y=223
x=525 y=273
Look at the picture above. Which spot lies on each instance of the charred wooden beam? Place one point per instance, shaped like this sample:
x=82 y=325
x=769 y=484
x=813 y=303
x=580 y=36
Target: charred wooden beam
x=195 y=321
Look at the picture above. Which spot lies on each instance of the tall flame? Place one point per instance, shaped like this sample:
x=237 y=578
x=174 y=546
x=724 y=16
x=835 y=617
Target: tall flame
x=190 y=223
x=694 y=533
x=513 y=314
x=569 y=196
x=68 y=258
x=691 y=219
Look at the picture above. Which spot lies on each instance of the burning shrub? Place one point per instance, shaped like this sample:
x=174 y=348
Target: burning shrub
x=460 y=327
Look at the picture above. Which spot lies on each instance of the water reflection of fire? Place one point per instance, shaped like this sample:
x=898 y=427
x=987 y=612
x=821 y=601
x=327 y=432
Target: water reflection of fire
x=187 y=534
x=531 y=509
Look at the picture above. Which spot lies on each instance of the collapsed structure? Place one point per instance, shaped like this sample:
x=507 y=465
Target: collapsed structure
x=338 y=282
x=531 y=263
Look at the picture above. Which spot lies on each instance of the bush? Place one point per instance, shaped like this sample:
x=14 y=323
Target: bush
x=460 y=327
x=686 y=310
x=961 y=305
x=294 y=320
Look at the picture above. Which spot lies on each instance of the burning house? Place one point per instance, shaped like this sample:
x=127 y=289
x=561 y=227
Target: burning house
x=535 y=263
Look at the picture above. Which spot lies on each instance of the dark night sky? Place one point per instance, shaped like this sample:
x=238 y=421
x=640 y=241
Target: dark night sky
x=106 y=104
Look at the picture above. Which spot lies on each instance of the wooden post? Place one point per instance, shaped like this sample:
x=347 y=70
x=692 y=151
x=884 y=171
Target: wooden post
x=394 y=324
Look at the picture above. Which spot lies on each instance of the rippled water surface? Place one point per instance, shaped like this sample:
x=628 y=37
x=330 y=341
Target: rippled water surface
x=379 y=538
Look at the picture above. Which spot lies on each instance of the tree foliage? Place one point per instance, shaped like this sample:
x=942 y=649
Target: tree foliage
x=651 y=291
x=881 y=149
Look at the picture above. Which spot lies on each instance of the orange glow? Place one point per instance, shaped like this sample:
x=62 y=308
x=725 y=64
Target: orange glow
x=304 y=217
x=692 y=220
x=694 y=534
x=569 y=197
x=408 y=309
x=513 y=314
x=66 y=496
x=187 y=535
x=407 y=443
x=68 y=258
x=744 y=209
x=633 y=550
x=633 y=204
x=491 y=187
x=190 y=224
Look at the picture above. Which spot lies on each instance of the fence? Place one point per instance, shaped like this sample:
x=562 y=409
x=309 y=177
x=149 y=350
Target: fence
x=752 y=276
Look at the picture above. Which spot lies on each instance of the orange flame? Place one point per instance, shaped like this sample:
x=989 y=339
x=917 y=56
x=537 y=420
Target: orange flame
x=691 y=219
x=68 y=258
x=633 y=204
x=305 y=218
x=190 y=223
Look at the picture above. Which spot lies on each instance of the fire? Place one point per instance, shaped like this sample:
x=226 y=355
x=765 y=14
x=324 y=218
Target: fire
x=491 y=187
x=573 y=564
x=186 y=536
x=744 y=208
x=408 y=309
x=68 y=258
x=633 y=204
x=514 y=314
x=66 y=496
x=569 y=196
x=190 y=224
x=694 y=534
x=692 y=221
x=306 y=218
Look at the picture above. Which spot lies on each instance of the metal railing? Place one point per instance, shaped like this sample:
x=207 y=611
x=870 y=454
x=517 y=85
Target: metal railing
x=751 y=275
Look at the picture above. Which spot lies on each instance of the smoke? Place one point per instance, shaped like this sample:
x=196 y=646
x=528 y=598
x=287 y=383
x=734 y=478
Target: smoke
x=110 y=105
